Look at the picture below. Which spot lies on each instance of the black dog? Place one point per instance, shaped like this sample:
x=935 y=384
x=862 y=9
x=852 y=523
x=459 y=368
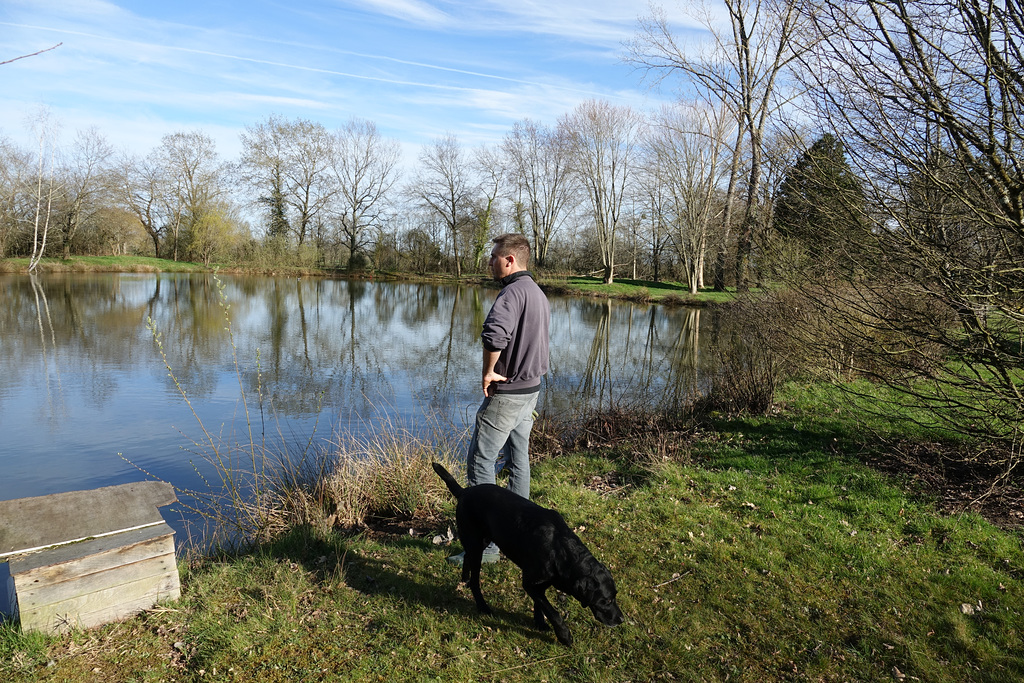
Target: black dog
x=540 y=543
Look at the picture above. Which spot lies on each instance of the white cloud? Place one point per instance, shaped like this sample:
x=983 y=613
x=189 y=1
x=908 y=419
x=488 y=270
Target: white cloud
x=596 y=22
x=242 y=99
x=412 y=11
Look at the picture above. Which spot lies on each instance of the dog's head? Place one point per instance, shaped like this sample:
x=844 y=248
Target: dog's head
x=596 y=589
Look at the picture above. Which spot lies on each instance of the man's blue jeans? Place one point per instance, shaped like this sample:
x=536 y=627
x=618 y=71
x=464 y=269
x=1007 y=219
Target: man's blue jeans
x=503 y=421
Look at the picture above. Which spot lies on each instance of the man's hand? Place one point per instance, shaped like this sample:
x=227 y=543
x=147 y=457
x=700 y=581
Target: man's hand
x=489 y=379
x=489 y=375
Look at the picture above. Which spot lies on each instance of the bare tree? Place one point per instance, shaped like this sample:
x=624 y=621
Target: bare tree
x=261 y=170
x=491 y=174
x=44 y=185
x=742 y=69
x=287 y=164
x=84 y=184
x=604 y=142
x=308 y=175
x=365 y=167
x=447 y=187
x=194 y=170
x=15 y=169
x=420 y=243
x=656 y=215
x=143 y=190
x=926 y=97
x=539 y=170
x=690 y=152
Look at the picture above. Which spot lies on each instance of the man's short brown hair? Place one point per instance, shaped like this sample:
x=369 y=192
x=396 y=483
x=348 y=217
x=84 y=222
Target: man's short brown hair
x=514 y=243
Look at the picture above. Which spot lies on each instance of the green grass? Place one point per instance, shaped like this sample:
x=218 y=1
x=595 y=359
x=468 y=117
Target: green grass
x=762 y=551
x=113 y=264
x=144 y=264
x=639 y=290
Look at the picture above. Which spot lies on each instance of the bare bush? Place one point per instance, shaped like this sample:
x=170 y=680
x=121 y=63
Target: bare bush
x=757 y=351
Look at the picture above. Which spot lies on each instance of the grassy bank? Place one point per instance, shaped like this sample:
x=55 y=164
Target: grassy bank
x=670 y=293
x=745 y=549
x=665 y=292
x=103 y=264
x=137 y=264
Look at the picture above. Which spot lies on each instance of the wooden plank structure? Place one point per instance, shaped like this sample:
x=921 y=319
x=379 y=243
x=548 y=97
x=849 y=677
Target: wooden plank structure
x=87 y=558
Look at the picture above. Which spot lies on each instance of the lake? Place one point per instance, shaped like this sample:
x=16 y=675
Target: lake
x=86 y=399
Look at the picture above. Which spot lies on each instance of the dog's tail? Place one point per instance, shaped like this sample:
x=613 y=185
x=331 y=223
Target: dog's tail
x=453 y=485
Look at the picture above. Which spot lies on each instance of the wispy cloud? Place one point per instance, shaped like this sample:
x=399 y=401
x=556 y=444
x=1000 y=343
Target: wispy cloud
x=150 y=47
x=597 y=22
x=407 y=10
x=417 y=69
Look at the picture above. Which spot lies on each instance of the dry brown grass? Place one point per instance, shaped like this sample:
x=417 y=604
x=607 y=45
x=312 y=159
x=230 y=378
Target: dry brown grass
x=357 y=479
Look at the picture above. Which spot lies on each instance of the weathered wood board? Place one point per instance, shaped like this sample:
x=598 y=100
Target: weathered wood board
x=128 y=567
x=42 y=521
x=101 y=607
x=95 y=555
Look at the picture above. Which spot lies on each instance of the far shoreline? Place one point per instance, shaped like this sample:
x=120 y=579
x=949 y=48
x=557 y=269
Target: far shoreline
x=663 y=292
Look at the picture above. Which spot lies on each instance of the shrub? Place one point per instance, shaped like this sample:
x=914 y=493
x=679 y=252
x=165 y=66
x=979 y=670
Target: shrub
x=756 y=352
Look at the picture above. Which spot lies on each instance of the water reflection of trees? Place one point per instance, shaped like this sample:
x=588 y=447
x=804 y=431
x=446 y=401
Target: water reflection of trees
x=48 y=351
x=597 y=379
x=341 y=349
x=625 y=355
x=188 y=313
x=55 y=325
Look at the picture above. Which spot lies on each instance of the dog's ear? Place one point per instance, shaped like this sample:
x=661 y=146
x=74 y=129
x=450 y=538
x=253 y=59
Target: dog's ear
x=583 y=589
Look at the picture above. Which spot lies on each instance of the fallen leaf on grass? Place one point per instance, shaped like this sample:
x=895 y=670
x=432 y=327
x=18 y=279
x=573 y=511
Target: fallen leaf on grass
x=444 y=539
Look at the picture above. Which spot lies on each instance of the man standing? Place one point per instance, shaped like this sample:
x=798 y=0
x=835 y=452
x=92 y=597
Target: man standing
x=515 y=357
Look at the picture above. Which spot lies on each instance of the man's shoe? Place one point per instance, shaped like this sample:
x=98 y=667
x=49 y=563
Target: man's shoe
x=487 y=558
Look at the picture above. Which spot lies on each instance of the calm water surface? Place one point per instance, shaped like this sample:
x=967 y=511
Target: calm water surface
x=86 y=399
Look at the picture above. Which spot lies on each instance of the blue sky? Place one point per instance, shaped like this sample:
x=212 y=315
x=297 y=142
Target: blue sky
x=138 y=69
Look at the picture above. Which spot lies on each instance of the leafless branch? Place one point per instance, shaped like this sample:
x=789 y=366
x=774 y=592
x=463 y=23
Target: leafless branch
x=8 y=61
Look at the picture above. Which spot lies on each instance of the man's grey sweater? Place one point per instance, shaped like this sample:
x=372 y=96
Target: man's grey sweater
x=517 y=326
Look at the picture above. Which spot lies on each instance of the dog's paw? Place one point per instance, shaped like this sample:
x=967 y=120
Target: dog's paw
x=563 y=635
x=484 y=608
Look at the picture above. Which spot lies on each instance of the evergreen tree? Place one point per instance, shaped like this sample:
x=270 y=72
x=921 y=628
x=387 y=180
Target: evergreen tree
x=277 y=226
x=821 y=202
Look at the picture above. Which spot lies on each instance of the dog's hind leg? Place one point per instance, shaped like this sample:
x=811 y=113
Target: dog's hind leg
x=542 y=608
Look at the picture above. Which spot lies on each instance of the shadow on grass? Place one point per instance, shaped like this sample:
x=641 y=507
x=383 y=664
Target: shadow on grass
x=431 y=583
x=933 y=469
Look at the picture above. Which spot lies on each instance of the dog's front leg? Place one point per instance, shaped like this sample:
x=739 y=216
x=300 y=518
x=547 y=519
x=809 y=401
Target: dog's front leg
x=471 y=574
x=543 y=608
x=538 y=617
